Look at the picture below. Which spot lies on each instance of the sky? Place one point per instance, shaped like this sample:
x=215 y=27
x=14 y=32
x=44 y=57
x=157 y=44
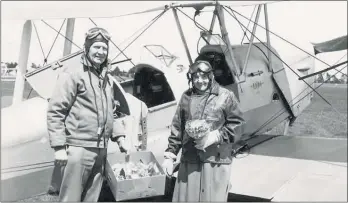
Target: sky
x=299 y=22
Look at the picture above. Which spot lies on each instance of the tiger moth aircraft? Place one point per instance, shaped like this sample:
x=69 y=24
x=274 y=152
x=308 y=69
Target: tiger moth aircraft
x=272 y=94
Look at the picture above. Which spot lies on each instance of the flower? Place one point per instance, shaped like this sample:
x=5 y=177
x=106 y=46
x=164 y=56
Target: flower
x=197 y=128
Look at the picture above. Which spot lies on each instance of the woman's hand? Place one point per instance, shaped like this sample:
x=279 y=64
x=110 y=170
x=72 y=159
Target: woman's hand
x=168 y=163
x=168 y=166
x=212 y=138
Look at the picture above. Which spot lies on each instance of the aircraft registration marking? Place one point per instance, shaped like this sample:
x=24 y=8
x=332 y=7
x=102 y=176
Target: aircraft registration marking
x=256 y=85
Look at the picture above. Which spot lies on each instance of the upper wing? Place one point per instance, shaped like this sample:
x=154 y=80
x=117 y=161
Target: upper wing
x=66 y=9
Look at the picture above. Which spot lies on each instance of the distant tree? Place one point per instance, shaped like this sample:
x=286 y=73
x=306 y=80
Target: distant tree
x=131 y=72
x=328 y=78
x=335 y=80
x=116 y=71
x=320 y=78
x=34 y=66
x=124 y=73
x=11 y=65
x=343 y=79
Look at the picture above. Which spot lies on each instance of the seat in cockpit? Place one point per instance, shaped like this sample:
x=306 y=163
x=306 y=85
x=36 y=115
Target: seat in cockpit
x=152 y=87
x=221 y=70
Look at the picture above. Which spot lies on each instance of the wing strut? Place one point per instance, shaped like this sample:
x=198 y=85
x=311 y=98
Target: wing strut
x=69 y=33
x=23 y=62
x=182 y=35
x=151 y=23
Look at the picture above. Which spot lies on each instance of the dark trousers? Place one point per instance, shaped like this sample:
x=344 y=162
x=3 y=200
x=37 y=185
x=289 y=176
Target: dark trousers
x=83 y=174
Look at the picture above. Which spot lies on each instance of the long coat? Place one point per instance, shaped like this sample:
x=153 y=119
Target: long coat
x=205 y=176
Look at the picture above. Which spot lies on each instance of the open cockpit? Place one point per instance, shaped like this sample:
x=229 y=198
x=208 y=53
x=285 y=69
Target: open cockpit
x=150 y=86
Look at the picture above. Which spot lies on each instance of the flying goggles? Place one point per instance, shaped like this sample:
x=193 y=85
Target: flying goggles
x=92 y=33
x=199 y=66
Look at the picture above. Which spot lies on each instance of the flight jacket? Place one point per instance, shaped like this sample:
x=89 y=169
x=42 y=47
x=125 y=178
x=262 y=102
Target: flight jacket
x=223 y=112
x=82 y=102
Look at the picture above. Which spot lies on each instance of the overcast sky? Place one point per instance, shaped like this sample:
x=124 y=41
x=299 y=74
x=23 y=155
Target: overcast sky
x=299 y=22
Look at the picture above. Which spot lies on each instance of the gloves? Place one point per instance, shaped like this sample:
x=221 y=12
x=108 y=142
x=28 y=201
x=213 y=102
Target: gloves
x=212 y=138
x=168 y=166
x=168 y=163
x=60 y=156
x=122 y=145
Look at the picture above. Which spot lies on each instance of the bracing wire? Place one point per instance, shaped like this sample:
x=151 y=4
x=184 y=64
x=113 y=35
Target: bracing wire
x=45 y=58
x=153 y=21
x=283 y=111
x=234 y=11
x=61 y=34
x=55 y=39
x=38 y=37
x=283 y=62
x=244 y=31
x=295 y=73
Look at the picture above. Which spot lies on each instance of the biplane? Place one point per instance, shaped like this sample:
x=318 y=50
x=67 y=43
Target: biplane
x=271 y=92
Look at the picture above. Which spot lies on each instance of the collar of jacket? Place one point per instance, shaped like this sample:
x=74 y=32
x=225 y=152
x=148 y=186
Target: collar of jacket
x=87 y=63
x=215 y=88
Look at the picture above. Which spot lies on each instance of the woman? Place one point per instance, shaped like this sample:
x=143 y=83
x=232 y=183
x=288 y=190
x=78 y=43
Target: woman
x=205 y=164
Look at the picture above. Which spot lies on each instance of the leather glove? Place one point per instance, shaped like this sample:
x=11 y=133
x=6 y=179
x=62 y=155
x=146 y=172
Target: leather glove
x=168 y=163
x=60 y=156
x=168 y=166
x=212 y=138
x=122 y=145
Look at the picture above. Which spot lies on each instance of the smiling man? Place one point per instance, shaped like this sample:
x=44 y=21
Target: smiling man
x=81 y=119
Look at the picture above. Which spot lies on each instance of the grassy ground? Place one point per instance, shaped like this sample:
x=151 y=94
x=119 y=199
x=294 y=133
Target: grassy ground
x=42 y=198
x=322 y=120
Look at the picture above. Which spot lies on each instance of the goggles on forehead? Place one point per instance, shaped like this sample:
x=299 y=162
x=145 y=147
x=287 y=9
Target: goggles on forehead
x=200 y=66
x=92 y=33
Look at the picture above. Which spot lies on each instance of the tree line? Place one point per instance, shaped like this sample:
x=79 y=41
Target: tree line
x=333 y=79
x=130 y=74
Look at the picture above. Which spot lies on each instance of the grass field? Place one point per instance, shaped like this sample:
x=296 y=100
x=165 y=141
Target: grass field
x=322 y=120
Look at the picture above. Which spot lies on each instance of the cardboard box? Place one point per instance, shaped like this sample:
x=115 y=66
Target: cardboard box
x=134 y=188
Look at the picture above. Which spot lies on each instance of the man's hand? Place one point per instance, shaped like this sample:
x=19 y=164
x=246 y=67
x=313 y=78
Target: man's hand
x=122 y=145
x=60 y=156
x=212 y=138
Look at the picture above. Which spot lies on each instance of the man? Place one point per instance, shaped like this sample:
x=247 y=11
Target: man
x=205 y=164
x=81 y=119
